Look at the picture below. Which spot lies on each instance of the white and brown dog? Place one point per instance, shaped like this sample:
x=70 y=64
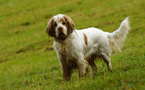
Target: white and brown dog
x=76 y=48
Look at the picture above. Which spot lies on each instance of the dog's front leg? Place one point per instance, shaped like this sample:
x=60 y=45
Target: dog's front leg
x=82 y=67
x=66 y=71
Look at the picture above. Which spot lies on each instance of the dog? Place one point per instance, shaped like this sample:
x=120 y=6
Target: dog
x=80 y=48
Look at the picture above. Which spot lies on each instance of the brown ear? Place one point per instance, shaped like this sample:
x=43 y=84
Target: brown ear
x=70 y=24
x=50 y=30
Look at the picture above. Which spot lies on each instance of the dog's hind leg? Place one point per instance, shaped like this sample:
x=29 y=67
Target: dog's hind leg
x=107 y=60
x=93 y=65
x=105 y=55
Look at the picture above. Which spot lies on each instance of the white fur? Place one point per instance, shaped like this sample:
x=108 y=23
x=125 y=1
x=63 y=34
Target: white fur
x=118 y=37
x=59 y=24
x=99 y=42
x=95 y=37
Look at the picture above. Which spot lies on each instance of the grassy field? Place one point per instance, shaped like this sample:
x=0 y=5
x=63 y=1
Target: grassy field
x=27 y=58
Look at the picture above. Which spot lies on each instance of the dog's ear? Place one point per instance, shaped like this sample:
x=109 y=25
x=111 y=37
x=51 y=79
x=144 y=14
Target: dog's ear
x=70 y=24
x=50 y=28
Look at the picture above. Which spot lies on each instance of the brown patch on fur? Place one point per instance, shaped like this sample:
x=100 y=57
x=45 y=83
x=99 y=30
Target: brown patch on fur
x=67 y=67
x=50 y=28
x=86 y=39
x=64 y=22
x=70 y=24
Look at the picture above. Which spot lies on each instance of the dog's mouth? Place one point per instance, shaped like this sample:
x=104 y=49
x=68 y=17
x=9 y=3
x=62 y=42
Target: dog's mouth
x=61 y=34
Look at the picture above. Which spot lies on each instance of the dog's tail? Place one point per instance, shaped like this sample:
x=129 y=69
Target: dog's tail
x=117 y=38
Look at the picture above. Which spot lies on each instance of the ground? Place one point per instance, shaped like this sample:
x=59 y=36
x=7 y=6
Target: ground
x=27 y=58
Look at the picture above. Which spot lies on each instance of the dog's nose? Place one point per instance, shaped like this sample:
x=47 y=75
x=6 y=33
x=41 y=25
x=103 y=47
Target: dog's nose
x=60 y=29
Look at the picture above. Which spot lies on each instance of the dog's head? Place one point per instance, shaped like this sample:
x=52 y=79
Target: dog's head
x=60 y=26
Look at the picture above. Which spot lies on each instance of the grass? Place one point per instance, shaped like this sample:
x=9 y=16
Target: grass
x=28 y=61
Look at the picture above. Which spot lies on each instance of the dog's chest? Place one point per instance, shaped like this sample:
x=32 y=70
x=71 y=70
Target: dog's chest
x=65 y=50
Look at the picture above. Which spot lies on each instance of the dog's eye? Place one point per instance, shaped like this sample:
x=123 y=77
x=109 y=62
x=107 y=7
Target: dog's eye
x=63 y=23
x=55 y=24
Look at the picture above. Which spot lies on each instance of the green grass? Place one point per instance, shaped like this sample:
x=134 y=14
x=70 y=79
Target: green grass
x=28 y=62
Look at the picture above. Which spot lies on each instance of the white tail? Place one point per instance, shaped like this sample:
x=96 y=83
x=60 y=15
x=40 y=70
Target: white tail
x=117 y=38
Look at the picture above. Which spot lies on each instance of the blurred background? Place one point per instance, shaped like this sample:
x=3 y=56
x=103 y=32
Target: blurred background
x=27 y=58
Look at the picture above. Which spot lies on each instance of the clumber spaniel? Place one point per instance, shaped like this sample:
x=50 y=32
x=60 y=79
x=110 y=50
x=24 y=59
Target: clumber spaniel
x=78 y=48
